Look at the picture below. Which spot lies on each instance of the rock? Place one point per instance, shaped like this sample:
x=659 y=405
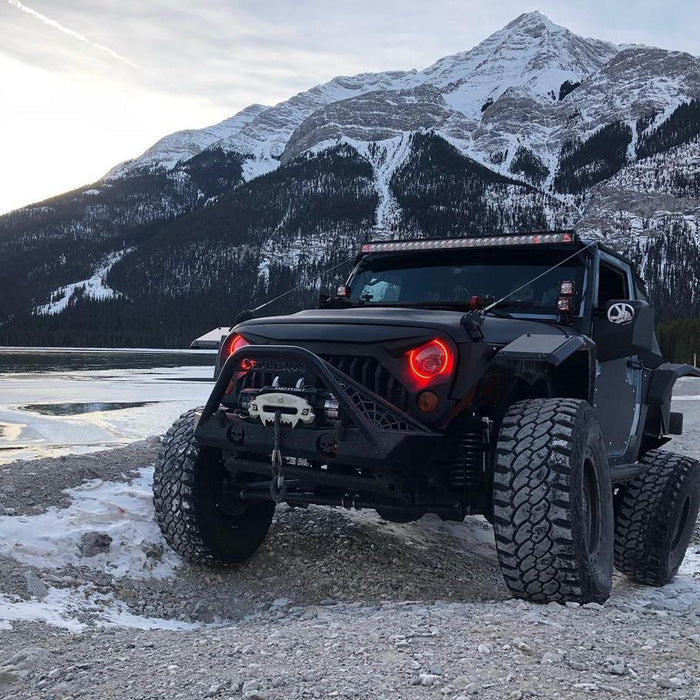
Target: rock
x=311 y=612
x=254 y=695
x=484 y=649
x=572 y=604
x=428 y=679
x=250 y=685
x=93 y=543
x=524 y=647
x=550 y=657
x=152 y=550
x=471 y=689
x=280 y=603
x=615 y=666
x=7 y=677
x=35 y=585
x=669 y=683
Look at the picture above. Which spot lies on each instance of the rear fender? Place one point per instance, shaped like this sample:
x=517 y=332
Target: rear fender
x=661 y=384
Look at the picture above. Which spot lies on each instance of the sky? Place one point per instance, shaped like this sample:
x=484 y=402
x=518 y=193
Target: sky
x=88 y=84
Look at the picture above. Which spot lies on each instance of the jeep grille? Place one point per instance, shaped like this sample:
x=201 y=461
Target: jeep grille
x=368 y=371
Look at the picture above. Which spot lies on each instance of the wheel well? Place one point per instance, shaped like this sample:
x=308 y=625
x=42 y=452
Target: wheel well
x=573 y=378
x=527 y=379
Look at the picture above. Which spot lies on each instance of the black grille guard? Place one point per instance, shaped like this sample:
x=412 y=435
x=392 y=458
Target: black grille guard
x=370 y=413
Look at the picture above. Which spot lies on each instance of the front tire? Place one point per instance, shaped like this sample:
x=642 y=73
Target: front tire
x=552 y=500
x=192 y=511
x=655 y=514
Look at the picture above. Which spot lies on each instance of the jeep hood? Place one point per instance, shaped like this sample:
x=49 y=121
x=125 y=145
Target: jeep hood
x=378 y=324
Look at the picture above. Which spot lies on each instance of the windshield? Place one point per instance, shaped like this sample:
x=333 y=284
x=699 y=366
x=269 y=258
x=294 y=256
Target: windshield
x=459 y=276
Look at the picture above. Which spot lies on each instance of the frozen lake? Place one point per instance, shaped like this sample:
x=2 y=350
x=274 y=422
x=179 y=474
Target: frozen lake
x=60 y=401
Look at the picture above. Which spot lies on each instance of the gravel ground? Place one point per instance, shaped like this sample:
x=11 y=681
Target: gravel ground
x=30 y=488
x=334 y=604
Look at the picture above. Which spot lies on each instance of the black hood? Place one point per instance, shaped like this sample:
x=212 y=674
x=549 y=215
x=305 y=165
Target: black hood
x=378 y=324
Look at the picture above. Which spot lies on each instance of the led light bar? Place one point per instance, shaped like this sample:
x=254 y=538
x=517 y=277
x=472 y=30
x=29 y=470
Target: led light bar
x=459 y=243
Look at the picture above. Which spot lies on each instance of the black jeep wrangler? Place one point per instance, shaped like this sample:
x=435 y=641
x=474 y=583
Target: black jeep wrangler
x=517 y=377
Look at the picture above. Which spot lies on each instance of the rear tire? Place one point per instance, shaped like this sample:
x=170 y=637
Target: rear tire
x=188 y=495
x=655 y=515
x=552 y=500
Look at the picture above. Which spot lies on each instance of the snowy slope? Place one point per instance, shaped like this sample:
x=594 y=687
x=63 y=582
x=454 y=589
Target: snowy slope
x=183 y=145
x=531 y=52
x=93 y=288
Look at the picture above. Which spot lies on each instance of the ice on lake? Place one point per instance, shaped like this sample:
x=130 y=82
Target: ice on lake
x=60 y=409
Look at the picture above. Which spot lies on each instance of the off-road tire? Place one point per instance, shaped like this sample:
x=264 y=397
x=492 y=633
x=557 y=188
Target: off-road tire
x=552 y=503
x=655 y=514
x=187 y=496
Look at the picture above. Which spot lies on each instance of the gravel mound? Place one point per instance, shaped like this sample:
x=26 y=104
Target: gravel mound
x=334 y=604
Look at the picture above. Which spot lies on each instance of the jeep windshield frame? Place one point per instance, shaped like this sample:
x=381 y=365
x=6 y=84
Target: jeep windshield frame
x=450 y=278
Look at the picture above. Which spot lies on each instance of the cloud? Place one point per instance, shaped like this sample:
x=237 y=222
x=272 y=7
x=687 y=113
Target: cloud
x=65 y=67
x=76 y=35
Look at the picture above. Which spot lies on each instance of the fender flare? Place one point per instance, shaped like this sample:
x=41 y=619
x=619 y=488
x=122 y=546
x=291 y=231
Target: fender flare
x=661 y=384
x=544 y=347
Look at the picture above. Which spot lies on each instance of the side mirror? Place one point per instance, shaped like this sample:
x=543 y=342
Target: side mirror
x=624 y=327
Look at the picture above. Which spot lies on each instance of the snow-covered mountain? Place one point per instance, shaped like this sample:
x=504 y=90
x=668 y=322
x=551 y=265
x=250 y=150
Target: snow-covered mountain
x=533 y=127
x=529 y=58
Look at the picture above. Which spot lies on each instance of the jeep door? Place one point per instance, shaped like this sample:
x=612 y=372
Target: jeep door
x=623 y=330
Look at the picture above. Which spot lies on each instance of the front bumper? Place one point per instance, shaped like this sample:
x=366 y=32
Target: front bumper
x=370 y=432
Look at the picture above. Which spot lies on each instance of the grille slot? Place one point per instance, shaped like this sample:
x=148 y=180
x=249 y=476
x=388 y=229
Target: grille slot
x=369 y=372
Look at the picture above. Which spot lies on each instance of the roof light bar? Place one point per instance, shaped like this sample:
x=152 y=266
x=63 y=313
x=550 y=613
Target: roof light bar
x=459 y=243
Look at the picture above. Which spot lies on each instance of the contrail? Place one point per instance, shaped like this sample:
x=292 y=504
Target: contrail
x=80 y=37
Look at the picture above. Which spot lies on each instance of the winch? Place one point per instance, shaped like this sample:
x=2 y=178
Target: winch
x=301 y=404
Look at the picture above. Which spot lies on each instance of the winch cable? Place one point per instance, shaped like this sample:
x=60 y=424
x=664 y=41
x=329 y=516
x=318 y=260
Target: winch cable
x=278 y=488
x=249 y=313
x=534 y=279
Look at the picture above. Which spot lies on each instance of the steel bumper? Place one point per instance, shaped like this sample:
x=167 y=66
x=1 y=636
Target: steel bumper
x=370 y=432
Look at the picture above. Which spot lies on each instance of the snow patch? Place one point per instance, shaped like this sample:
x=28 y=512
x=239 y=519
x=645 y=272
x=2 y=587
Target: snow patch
x=77 y=609
x=255 y=167
x=124 y=511
x=94 y=287
x=386 y=157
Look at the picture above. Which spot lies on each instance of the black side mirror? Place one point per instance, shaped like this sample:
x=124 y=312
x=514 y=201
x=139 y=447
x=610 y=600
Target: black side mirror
x=624 y=327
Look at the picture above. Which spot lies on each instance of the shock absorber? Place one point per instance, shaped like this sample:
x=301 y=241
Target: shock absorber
x=469 y=465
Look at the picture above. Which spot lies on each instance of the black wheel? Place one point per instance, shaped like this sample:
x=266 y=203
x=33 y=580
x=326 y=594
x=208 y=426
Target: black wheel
x=655 y=514
x=552 y=503
x=196 y=516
